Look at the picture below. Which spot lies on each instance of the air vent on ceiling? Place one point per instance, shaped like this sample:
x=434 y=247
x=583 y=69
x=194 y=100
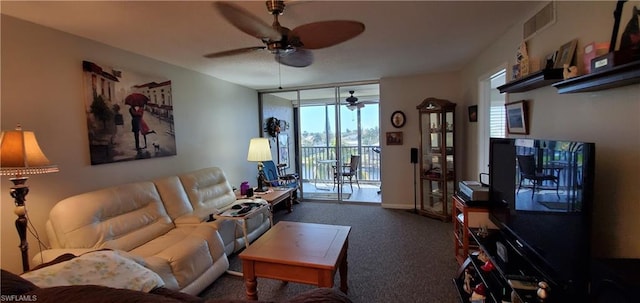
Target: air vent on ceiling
x=545 y=17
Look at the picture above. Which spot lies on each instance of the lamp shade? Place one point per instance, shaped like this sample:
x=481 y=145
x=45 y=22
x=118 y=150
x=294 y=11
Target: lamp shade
x=259 y=150
x=20 y=154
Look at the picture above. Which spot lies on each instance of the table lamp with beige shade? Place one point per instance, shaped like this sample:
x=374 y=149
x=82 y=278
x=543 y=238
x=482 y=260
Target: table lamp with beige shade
x=259 y=151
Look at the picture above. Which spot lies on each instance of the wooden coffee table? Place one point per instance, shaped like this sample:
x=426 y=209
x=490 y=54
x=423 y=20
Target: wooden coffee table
x=297 y=252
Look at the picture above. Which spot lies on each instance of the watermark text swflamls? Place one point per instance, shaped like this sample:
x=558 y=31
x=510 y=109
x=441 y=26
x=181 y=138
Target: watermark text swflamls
x=18 y=298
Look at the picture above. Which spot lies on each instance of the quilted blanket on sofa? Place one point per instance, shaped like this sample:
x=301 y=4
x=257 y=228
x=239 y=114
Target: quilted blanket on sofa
x=110 y=268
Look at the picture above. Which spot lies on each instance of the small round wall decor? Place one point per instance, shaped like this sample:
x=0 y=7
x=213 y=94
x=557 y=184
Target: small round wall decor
x=398 y=119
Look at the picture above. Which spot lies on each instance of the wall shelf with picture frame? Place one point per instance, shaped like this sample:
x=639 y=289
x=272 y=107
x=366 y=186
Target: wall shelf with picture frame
x=532 y=81
x=552 y=71
x=618 y=76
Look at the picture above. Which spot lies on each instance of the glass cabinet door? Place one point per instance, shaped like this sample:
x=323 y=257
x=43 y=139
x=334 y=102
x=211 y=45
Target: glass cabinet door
x=437 y=152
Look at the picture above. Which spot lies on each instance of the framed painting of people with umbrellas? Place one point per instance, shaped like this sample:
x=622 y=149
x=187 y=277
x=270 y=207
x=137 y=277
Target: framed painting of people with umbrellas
x=129 y=116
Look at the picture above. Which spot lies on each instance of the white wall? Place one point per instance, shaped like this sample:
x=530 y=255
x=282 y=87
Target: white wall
x=609 y=118
x=404 y=94
x=282 y=109
x=42 y=89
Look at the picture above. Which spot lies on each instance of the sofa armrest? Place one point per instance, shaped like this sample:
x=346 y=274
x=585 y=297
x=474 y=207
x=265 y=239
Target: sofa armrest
x=49 y=255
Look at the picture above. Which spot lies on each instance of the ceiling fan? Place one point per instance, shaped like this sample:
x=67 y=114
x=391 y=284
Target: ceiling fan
x=353 y=103
x=290 y=47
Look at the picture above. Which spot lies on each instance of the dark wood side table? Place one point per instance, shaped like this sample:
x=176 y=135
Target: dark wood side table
x=274 y=196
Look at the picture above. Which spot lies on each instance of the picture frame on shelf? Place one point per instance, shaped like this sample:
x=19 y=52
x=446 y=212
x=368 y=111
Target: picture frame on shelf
x=515 y=72
x=550 y=60
x=624 y=46
x=517 y=116
x=394 y=138
x=566 y=53
x=627 y=23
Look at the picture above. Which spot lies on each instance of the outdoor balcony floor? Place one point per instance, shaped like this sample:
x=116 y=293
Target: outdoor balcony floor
x=368 y=191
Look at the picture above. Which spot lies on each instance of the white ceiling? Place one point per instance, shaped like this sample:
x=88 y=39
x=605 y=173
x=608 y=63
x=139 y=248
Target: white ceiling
x=401 y=38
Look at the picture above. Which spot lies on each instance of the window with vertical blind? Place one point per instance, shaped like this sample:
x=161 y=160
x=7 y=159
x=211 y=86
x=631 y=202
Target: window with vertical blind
x=497 y=117
x=491 y=105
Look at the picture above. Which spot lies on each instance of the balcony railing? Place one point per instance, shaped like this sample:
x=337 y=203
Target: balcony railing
x=313 y=169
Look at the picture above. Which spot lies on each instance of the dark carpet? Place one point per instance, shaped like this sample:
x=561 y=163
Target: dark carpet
x=394 y=256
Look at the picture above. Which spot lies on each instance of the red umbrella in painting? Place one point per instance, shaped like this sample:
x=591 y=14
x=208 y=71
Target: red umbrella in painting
x=136 y=99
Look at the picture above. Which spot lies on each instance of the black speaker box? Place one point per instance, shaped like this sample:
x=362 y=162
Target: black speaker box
x=414 y=155
x=615 y=281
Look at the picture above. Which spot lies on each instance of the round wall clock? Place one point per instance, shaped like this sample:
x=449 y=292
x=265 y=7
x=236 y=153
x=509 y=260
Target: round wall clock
x=398 y=119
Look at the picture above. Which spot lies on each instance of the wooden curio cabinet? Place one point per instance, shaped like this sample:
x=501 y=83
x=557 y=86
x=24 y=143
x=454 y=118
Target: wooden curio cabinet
x=437 y=157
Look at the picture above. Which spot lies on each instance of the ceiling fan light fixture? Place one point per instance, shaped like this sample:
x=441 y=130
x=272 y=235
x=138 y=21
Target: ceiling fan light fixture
x=351 y=99
x=355 y=106
x=352 y=102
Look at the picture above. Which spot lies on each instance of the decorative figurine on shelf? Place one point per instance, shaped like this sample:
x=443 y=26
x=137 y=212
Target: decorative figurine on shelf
x=468 y=278
x=487 y=266
x=543 y=290
x=483 y=232
x=479 y=293
x=630 y=39
x=569 y=71
x=483 y=257
x=522 y=59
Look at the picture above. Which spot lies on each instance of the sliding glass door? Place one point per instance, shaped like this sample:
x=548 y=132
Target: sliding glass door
x=336 y=141
x=319 y=142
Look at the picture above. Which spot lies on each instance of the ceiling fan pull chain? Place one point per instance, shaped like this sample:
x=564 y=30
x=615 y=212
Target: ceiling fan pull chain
x=279 y=73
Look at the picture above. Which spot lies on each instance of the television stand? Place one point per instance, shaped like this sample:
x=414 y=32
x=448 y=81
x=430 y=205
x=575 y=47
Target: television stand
x=495 y=281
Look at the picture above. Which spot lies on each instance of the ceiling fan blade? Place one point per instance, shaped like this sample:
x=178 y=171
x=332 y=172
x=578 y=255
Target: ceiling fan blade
x=247 y=22
x=298 y=58
x=235 y=52
x=327 y=33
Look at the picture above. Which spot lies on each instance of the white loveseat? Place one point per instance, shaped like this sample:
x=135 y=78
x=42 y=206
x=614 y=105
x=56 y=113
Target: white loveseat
x=163 y=221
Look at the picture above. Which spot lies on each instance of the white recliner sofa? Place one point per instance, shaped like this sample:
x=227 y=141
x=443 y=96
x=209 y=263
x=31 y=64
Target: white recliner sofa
x=162 y=221
x=208 y=191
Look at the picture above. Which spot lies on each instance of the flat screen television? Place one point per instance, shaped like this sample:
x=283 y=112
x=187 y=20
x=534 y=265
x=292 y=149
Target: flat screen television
x=541 y=194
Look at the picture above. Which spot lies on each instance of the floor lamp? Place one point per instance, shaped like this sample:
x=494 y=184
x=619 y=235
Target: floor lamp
x=20 y=155
x=259 y=151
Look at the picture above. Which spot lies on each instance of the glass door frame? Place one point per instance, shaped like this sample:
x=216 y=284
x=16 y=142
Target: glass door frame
x=336 y=103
